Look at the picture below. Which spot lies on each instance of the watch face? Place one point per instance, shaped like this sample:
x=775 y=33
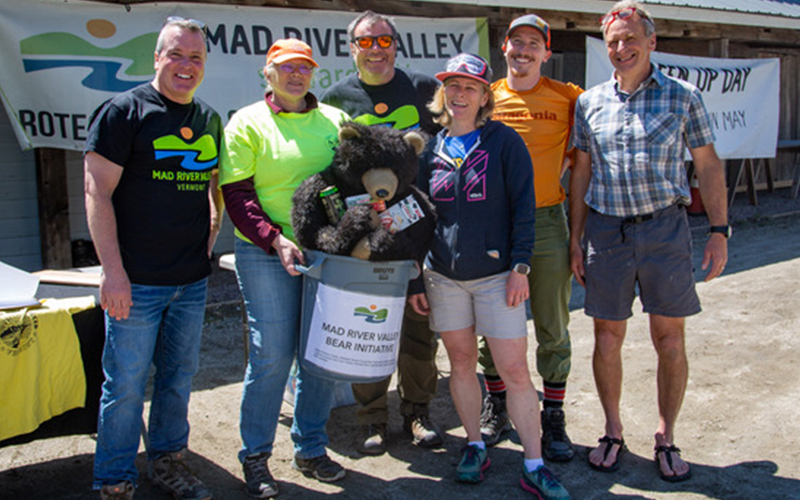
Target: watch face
x=522 y=269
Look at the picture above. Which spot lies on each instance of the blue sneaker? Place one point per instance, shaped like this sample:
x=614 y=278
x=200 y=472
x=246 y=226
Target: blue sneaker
x=473 y=463
x=543 y=483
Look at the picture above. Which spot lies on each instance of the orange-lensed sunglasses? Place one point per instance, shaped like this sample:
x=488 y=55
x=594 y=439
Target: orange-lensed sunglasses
x=365 y=42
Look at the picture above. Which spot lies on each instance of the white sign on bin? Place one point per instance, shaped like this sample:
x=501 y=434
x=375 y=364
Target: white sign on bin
x=354 y=333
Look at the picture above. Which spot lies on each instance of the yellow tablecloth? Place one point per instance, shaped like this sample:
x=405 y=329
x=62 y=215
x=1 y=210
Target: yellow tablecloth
x=41 y=370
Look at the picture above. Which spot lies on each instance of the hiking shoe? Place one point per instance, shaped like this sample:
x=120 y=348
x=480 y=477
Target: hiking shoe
x=543 y=484
x=373 y=439
x=473 y=463
x=119 y=491
x=424 y=432
x=556 y=445
x=171 y=473
x=257 y=478
x=322 y=468
x=494 y=419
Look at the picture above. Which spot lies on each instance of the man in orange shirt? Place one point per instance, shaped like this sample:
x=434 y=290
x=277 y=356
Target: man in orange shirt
x=541 y=111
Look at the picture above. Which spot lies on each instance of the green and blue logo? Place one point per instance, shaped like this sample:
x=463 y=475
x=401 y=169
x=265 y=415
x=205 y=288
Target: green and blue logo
x=403 y=118
x=198 y=155
x=371 y=314
x=113 y=69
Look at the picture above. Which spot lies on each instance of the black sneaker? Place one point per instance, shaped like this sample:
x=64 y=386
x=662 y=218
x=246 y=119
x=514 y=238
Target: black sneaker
x=171 y=473
x=257 y=478
x=424 y=432
x=373 y=439
x=494 y=419
x=322 y=468
x=556 y=445
x=119 y=491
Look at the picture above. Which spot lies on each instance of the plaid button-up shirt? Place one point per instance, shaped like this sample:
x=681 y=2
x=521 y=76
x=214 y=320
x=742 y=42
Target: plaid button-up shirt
x=637 y=143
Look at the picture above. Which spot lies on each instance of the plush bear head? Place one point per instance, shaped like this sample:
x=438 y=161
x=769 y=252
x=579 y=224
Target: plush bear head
x=377 y=160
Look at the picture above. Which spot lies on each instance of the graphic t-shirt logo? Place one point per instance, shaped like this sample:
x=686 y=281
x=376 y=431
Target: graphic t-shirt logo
x=17 y=333
x=372 y=314
x=198 y=155
x=402 y=118
x=114 y=69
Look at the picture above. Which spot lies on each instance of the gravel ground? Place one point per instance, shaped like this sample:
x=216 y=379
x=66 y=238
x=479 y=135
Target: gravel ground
x=736 y=427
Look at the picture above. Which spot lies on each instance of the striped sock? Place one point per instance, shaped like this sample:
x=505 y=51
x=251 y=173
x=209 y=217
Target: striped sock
x=554 y=393
x=495 y=385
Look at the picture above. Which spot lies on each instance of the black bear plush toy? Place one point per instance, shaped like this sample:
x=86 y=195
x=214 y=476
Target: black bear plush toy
x=365 y=204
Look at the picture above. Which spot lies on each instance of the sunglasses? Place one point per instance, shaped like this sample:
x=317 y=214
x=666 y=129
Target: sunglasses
x=366 y=42
x=623 y=14
x=466 y=63
x=288 y=68
x=177 y=19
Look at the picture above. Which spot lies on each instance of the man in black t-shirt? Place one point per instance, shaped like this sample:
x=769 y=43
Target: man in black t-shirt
x=154 y=213
x=381 y=94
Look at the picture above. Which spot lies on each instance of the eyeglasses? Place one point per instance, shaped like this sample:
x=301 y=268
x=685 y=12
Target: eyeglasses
x=468 y=62
x=365 y=42
x=288 y=68
x=624 y=14
x=177 y=19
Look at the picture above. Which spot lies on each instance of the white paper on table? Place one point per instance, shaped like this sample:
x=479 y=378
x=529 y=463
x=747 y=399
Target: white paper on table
x=19 y=287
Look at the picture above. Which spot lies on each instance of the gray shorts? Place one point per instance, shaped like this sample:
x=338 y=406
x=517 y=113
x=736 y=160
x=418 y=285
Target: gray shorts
x=481 y=302
x=653 y=252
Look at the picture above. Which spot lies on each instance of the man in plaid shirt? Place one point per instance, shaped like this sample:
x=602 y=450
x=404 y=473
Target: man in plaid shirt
x=628 y=192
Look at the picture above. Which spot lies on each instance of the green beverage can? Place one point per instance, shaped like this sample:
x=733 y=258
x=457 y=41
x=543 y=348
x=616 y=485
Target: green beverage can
x=332 y=201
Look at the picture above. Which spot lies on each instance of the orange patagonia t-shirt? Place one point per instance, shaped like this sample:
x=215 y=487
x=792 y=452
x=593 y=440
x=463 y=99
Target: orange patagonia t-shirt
x=543 y=116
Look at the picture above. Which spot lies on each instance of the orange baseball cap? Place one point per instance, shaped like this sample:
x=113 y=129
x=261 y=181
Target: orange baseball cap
x=287 y=49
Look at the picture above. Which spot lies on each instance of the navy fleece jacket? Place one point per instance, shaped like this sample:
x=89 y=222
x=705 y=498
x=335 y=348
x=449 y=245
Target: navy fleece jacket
x=486 y=207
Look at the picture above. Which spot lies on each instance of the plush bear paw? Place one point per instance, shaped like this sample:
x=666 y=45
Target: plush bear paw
x=362 y=250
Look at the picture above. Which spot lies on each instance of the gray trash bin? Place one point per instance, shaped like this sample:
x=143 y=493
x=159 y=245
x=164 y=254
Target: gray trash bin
x=352 y=315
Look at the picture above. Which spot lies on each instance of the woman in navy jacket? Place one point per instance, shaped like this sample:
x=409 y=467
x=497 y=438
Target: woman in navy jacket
x=479 y=176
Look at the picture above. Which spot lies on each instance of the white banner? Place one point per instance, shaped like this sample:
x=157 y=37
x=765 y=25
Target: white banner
x=354 y=333
x=63 y=58
x=741 y=95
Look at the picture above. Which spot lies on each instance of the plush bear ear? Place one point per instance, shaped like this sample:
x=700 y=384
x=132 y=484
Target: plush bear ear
x=415 y=140
x=348 y=131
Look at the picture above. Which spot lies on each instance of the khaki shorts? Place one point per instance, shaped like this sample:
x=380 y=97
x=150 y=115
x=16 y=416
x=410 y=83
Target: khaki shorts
x=481 y=302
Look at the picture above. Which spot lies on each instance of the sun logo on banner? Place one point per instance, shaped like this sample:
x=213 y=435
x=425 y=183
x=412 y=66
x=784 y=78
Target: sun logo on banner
x=372 y=314
x=199 y=155
x=113 y=69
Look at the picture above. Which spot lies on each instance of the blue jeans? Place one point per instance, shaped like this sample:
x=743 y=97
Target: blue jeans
x=273 y=298
x=163 y=329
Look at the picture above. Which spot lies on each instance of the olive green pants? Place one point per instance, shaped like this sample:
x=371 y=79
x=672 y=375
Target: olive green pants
x=416 y=375
x=550 y=284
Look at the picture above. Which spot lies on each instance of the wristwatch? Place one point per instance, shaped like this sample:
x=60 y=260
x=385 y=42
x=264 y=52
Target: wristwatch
x=726 y=231
x=523 y=269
